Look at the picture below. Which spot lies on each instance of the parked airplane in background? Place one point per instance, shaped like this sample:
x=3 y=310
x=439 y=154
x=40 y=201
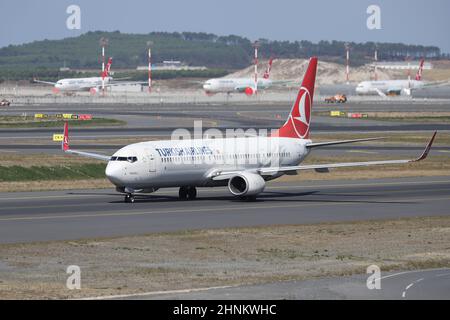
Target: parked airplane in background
x=92 y=84
x=244 y=164
x=241 y=85
x=392 y=87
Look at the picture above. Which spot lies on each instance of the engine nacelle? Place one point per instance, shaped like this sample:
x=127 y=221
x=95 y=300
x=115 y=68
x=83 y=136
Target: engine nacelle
x=93 y=91
x=248 y=91
x=246 y=184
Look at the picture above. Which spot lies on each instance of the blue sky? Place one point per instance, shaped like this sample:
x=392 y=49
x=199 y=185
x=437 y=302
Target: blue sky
x=408 y=21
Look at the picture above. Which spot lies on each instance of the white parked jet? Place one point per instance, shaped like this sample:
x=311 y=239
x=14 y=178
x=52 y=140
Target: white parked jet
x=92 y=84
x=243 y=164
x=392 y=87
x=240 y=85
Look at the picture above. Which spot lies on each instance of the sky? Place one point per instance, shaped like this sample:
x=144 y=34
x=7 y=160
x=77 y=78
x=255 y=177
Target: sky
x=408 y=21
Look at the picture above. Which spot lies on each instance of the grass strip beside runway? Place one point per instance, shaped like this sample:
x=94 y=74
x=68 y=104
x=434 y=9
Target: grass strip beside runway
x=39 y=173
x=31 y=122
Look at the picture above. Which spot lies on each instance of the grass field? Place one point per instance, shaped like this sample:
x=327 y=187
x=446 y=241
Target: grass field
x=43 y=173
x=31 y=122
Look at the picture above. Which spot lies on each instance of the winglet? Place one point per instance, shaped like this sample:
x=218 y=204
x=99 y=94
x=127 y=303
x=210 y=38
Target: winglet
x=427 y=148
x=65 y=143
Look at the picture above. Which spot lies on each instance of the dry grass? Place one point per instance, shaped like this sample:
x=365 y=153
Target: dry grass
x=54 y=185
x=42 y=159
x=222 y=257
x=438 y=74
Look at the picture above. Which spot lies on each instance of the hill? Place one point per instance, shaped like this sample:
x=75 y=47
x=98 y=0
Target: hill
x=229 y=52
x=327 y=72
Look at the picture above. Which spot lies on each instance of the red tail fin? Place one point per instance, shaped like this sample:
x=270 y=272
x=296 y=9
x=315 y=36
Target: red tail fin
x=107 y=68
x=297 y=124
x=419 y=72
x=269 y=67
x=65 y=143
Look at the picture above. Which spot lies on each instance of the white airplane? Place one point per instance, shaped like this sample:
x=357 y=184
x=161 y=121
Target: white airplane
x=392 y=87
x=244 y=164
x=92 y=84
x=241 y=85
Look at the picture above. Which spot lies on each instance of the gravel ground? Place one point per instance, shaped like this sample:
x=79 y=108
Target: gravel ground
x=221 y=257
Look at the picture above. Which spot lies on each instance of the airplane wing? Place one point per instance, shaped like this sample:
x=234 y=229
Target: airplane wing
x=124 y=83
x=46 y=82
x=436 y=83
x=223 y=175
x=380 y=93
x=285 y=82
x=66 y=147
x=333 y=143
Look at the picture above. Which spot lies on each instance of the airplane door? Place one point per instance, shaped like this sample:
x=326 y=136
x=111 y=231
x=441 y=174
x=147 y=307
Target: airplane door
x=151 y=163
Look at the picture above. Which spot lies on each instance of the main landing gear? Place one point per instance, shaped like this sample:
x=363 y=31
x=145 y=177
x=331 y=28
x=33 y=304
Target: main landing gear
x=187 y=193
x=129 y=198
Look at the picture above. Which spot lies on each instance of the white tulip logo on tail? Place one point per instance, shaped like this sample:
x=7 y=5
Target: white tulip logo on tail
x=301 y=115
x=297 y=124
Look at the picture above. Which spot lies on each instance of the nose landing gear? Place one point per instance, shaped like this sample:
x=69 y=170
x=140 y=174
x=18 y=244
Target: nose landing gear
x=129 y=198
x=187 y=193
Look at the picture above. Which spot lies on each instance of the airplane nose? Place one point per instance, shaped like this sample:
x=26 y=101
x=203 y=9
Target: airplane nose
x=113 y=172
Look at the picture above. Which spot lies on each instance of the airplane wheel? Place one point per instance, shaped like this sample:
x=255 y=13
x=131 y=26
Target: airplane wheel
x=183 y=193
x=129 y=198
x=192 y=193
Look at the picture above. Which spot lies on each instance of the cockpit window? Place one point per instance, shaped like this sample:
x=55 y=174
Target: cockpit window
x=132 y=159
x=129 y=159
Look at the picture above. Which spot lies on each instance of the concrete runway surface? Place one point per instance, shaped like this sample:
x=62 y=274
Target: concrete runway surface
x=42 y=216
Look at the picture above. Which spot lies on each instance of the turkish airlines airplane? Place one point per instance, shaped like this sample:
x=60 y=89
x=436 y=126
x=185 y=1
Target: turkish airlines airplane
x=244 y=164
x=392 y=87
x=92 y=84
x=240 y=85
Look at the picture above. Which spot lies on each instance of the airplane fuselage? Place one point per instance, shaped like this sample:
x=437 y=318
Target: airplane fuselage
x=229 y=85
x=171 y=163
x=387 y=87
x=81 y=84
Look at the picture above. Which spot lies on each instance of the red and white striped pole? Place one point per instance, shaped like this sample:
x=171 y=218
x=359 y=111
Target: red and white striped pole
x=103 y=44
x=149 y=70
x=103 y=69
x=376 y=65
x=408 y=58
x=149 y=46
x=256 y=45
x=347 y=71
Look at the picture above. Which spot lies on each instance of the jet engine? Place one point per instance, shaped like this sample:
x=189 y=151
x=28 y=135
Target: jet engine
x=248 y=91
x=246 y=184
x=93 y=91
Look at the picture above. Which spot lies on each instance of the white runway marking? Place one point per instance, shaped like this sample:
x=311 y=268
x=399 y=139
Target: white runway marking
x=360 y=151
x=153 y=293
